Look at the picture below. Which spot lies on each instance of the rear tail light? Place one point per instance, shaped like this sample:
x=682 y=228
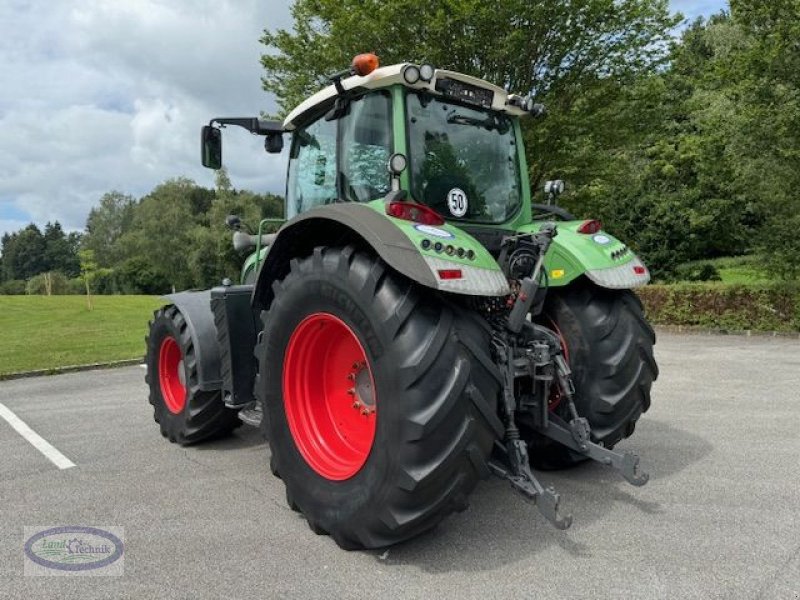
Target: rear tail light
x=591 y=226
x=410 y=211
x=639 y=269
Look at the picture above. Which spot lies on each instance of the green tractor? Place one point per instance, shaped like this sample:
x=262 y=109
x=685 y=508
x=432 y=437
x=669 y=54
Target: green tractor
x=417 y=323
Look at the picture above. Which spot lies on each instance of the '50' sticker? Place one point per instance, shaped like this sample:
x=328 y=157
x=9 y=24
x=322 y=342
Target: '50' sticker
x=457 y=202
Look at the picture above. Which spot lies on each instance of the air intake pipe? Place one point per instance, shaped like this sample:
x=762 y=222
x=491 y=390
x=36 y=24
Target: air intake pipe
x=245 y=241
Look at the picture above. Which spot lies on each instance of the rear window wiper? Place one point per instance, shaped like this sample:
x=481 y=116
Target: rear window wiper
x=491 y=122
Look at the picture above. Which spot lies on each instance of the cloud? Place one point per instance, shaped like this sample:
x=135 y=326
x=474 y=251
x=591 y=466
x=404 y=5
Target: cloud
x=100 y=95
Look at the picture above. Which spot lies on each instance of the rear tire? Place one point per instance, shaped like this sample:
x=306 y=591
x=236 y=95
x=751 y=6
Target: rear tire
x=185 y=414
x=610 y=347
x=434 y=403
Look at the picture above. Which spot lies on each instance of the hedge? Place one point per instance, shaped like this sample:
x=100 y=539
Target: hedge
x=724 y=307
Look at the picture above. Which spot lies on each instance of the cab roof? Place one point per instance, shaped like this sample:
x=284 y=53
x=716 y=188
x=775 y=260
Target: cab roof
x=384 y=77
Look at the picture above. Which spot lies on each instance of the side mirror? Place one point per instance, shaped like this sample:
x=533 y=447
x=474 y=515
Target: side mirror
x=553 y=189
x=273 y=143
x=211 y=147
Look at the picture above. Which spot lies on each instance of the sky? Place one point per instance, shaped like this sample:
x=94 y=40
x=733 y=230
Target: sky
x=101 y=95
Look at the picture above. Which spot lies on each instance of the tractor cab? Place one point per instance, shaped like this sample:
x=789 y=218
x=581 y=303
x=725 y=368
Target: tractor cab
x=454 y=142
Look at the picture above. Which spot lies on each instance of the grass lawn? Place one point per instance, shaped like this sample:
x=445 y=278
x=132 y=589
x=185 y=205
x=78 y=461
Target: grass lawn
x=44 y=332
x=742 y=269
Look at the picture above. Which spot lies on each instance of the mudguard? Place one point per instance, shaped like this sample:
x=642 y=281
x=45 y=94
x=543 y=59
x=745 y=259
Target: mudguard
x=196 y=310
x=237 y=327
x=400 y=244
x=601 y=257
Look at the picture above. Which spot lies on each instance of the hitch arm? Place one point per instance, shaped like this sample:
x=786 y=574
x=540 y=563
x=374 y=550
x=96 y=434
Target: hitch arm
x=627 y=463
x=547 y=500
x=517 y=470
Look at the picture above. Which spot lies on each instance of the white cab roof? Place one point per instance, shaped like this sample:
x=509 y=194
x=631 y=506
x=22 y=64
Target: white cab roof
x=393 y=74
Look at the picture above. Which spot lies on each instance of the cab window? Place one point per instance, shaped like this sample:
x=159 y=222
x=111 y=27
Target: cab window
x=344 y=159
x=366 y=143
x=312 y=168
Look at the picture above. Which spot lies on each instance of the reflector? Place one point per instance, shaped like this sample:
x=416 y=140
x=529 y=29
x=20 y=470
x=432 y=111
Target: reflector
x=450 y=274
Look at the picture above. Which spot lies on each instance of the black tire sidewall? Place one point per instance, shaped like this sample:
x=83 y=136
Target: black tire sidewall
x=580 y=315
x=162 y=328
x=323 y=292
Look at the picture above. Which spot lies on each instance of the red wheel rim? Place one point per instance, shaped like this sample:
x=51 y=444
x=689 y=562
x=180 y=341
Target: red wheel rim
x=171 y=376
x=329 y=396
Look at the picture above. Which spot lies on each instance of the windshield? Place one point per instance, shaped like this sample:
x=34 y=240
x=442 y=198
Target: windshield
x=463 y=160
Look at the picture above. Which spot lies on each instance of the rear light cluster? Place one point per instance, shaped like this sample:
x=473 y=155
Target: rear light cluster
x=590 y=227
x=450 y=274
x=448 y=249
x=411 y=211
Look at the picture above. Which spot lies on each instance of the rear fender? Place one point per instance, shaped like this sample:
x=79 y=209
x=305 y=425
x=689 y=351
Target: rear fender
x=600 y=257
x=399 y=244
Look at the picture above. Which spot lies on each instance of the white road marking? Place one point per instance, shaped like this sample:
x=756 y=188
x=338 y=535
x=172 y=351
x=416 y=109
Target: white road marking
x=144 y=366
x=37 y=441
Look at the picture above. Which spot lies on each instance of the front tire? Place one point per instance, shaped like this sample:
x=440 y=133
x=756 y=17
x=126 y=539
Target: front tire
x=609 y=345
x=341 y=322
x=185 y=413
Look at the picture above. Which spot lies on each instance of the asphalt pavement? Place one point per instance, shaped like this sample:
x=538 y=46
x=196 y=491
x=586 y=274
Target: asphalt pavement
x=719 y=518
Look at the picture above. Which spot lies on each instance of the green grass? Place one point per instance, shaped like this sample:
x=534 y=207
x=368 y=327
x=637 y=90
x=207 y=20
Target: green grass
x=46 y=332
x=743 y=270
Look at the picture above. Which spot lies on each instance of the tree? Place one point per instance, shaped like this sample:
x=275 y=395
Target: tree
x=162 y=227
x=90 y=272
x=523 y=44
x=47 y=284
x=213 y=257
x=137 y=276
x=576 y=57
x=24 y=253
x=763 y=73
x=106 y=224
x=61 y=250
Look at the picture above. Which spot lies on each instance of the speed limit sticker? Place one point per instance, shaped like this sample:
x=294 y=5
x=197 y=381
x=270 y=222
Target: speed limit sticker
x=457 y=202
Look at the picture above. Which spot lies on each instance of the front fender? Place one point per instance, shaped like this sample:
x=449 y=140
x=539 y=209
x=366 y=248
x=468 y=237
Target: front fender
x=195 y=307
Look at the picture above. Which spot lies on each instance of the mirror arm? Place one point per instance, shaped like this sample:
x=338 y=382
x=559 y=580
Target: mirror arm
x=252 y=124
